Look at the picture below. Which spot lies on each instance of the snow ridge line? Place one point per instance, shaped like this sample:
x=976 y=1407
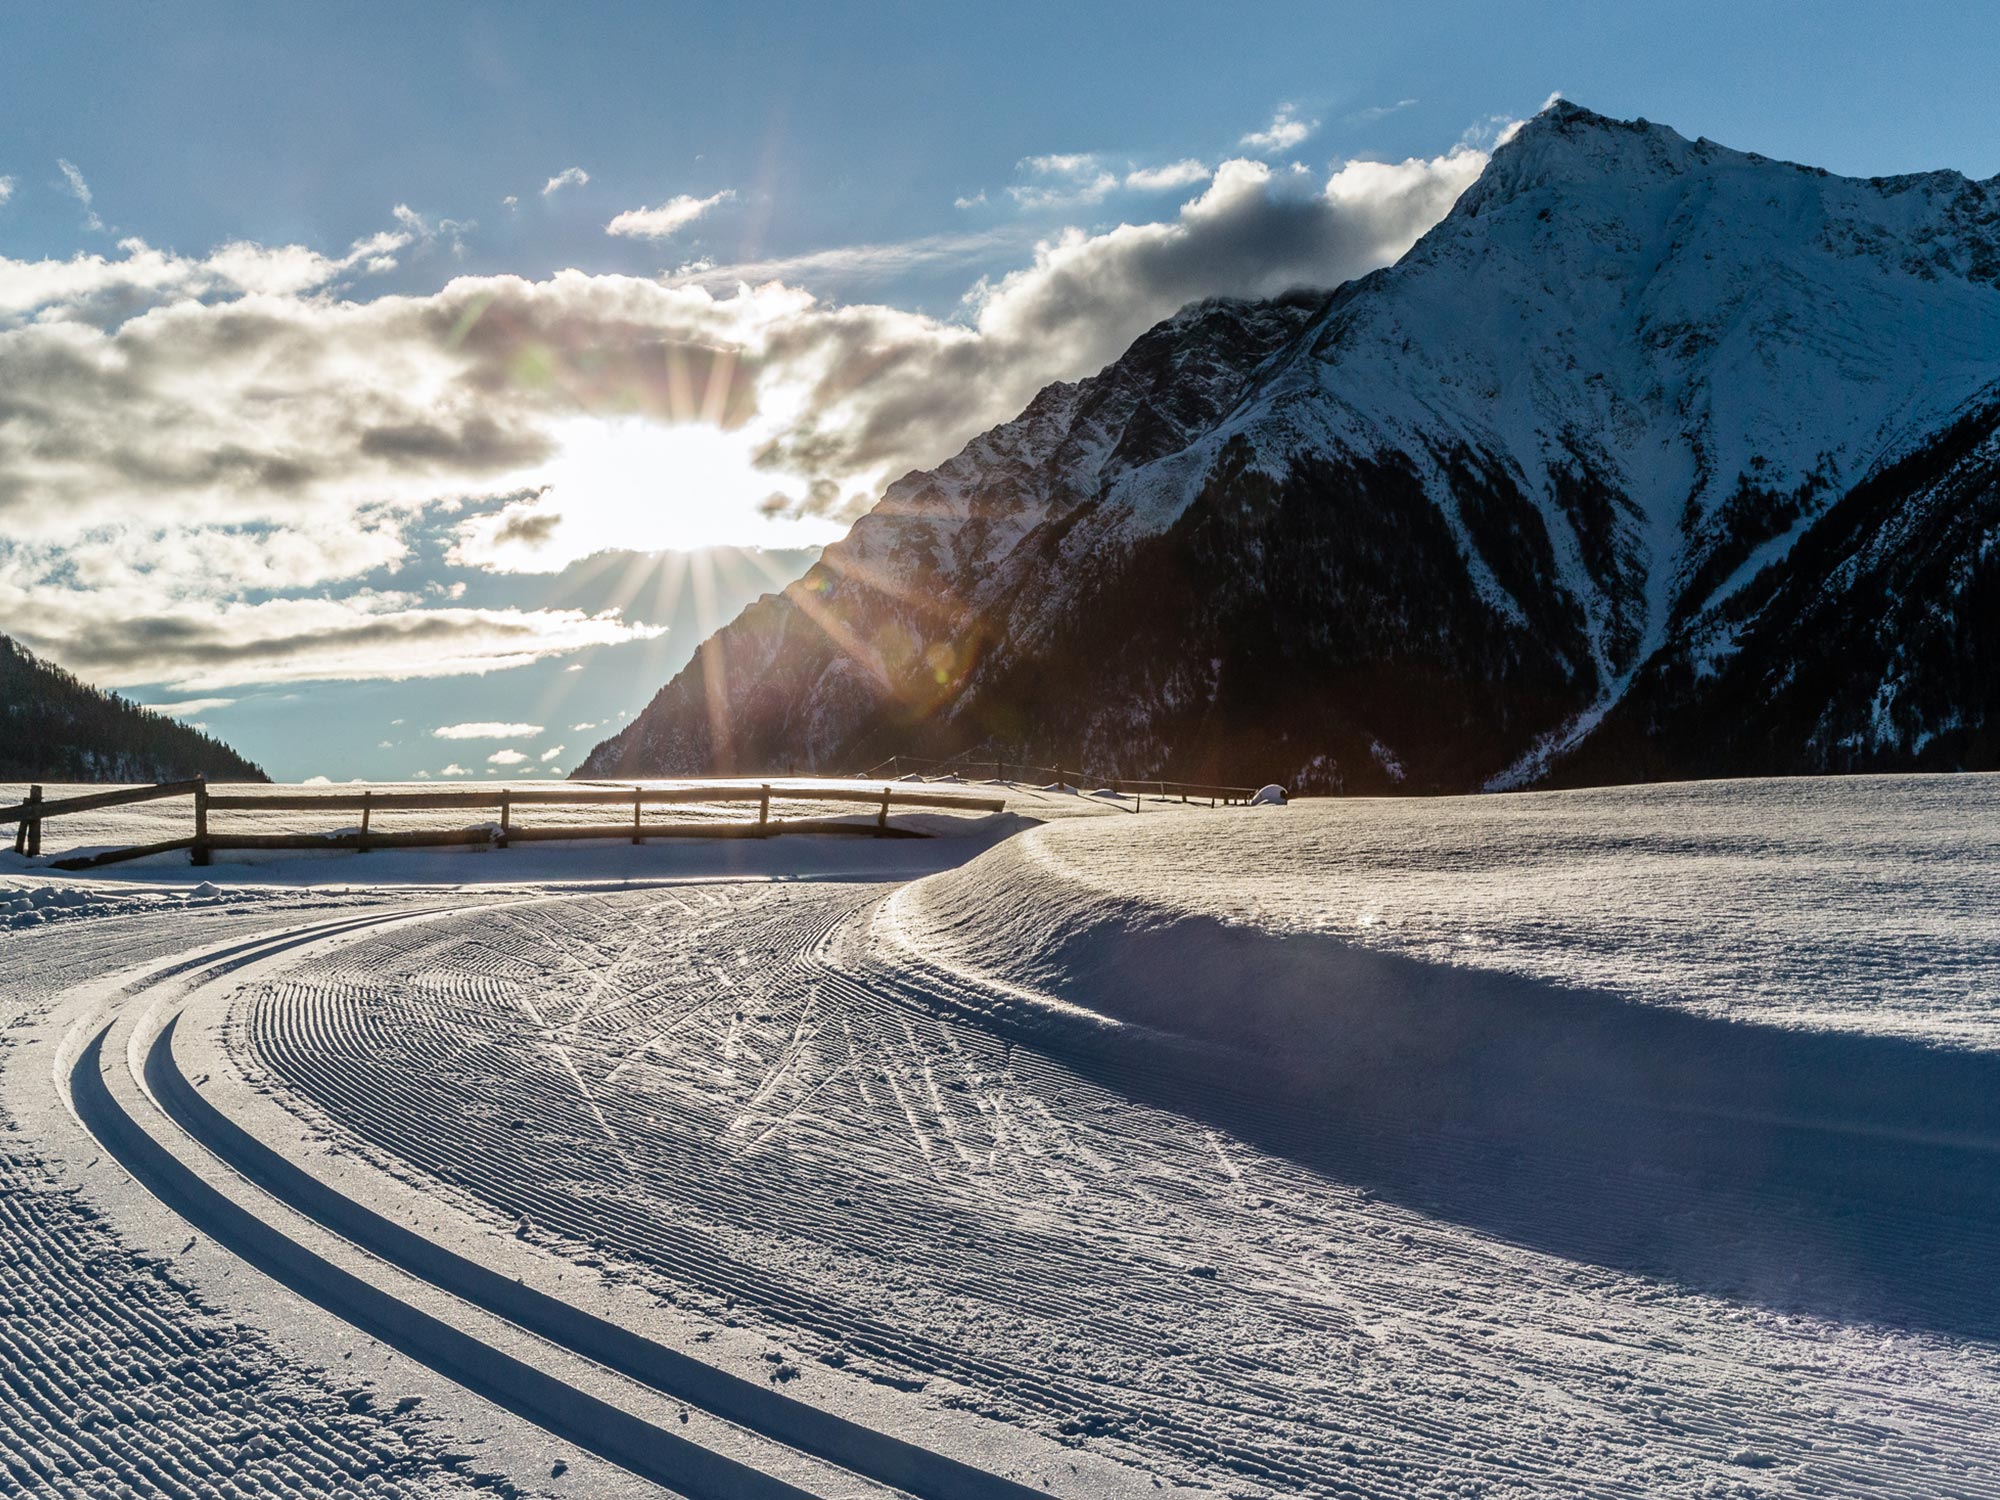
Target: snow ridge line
x=547 y=1401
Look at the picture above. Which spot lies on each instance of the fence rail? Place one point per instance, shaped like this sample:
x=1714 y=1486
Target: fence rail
x=973 y=763
x=30 y=814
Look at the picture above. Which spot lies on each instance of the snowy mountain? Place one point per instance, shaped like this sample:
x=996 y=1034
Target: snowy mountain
x=55 y=728
x=1653 y=458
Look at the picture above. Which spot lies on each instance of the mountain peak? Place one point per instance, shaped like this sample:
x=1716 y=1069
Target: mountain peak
x=1564 y=143
x=1611 y=434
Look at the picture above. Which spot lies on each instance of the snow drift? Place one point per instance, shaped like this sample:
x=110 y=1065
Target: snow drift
x=1688 y=1129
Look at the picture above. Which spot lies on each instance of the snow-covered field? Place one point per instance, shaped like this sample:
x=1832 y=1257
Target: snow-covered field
x=1636 y=1142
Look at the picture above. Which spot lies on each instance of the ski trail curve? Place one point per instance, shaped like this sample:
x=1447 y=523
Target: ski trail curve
x=620 y=1437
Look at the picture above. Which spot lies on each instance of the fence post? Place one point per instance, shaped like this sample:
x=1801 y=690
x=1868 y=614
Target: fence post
x=637 y=804
x=367 y=811
x=28 y=837
x=506 y=816
x=764 y=807
x=200 y=854
x=882 y=817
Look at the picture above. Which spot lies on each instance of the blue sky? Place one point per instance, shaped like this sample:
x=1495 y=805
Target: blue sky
x=354 y=334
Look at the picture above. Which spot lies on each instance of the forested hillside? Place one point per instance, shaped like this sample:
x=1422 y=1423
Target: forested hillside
x=56 y=728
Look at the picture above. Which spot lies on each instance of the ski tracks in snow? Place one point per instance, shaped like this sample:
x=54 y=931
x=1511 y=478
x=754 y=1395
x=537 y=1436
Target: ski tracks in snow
x=843 y=1149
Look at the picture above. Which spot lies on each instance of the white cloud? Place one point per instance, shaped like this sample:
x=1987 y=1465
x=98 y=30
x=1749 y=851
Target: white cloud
x=1376 y=112
x=486 y=730
x=80 y=190
x=426 y=233
x=1174 y=175
x=579 y=728
x=669 y=218
x=98 y=289
x=1071 y=180
x=852 y=265
x=420 y=776
x=507 y=757
x=567 y=177
x=1285 y=131
x=191 y=706
x=6 y=188
x=317 y=781
x=195 y=644
x=977 y=200
x=553 y=751
x=454 y=769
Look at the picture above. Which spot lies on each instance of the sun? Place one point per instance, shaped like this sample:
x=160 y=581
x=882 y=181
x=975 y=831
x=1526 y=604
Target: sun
x=632 y=484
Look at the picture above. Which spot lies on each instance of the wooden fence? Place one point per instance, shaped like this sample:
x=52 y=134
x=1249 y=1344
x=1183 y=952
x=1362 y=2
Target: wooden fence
x=979 y=763
x=201 y=844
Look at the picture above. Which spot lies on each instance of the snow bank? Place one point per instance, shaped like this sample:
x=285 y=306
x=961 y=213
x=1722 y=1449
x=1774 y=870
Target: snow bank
x=1735 y=1034
x=1867 y=904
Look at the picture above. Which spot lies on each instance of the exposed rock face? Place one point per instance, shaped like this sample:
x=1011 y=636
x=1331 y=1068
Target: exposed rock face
x=1652 y=459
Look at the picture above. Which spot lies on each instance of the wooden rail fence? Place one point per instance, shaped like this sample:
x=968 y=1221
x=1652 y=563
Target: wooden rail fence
x=1012 y=770
x=204 y=841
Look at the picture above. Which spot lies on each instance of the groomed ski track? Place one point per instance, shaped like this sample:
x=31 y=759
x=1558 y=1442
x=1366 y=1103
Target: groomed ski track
x=157 y=1117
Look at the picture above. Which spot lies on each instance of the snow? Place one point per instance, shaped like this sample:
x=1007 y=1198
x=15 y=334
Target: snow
x=1629 y=1142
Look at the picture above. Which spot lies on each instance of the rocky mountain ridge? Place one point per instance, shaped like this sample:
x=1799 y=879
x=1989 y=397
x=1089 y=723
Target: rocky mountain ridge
x=1653 y=458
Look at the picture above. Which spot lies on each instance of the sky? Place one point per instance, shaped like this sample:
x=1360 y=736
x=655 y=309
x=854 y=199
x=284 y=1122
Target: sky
x=370 y=371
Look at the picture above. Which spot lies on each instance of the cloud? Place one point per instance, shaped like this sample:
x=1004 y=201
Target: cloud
x=454 y=769
x=976 y=200
x=510 y=201
x=1285 y=131
x=1065 y=181
x=507 y=757
x=1177 y=174
x=1376 y=112
x=851 y=265
x=6 y=188
x=567 y=177
x=427 y=234
x=486 y=730
x=291 y=411
x=317 y=781
x=100 y=290
x=196 y=645
x=192 y=706
x=80 y=190
x=668 y=219
x=553 y=751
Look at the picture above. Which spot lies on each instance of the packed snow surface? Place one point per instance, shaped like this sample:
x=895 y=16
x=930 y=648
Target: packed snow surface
x=1636 y=1142
x=1859 y=903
